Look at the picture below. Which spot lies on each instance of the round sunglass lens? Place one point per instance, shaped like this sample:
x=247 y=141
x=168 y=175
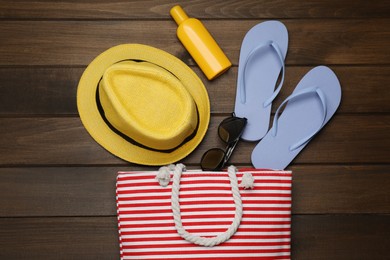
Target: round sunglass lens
x=230 y=130
x=212 y=159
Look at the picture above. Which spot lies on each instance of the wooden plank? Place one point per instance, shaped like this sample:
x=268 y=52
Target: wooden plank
x=312 y=42
x=340 y=237
x=313 y=237
x=52 y=91
x=341 y=189
x=64 y=141
x=158 y=9
x=58 y=191
x=59 y=238
x=35 y=90
x=90 y=191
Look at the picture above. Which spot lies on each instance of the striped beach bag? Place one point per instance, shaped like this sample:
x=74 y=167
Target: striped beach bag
x=175 y=213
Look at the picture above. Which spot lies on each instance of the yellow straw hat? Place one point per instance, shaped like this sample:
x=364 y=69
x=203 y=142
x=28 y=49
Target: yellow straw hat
x=143 y=104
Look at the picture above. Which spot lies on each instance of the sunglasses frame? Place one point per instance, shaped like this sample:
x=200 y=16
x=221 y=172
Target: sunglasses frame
x=230 y=145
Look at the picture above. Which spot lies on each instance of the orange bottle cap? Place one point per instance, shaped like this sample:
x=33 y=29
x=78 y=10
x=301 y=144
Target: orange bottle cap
x=178 y=14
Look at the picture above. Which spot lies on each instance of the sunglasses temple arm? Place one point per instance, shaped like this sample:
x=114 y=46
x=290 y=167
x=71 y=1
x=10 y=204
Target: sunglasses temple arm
x=229 y=150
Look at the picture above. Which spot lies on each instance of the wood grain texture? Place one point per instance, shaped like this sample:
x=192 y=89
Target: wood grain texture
x=340 y=237
x=59 y=238
x=314 y=237
x=159 y=9
x=313 y=42
x=66 y=191
x=34 y=91
x=37 y=141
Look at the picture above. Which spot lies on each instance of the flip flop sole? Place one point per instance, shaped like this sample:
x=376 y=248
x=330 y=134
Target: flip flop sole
x=301 y=117
x=261 y=76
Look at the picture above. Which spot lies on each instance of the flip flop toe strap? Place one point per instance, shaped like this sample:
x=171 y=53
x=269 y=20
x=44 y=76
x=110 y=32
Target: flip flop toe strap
x=276 y=49
x=320 y=94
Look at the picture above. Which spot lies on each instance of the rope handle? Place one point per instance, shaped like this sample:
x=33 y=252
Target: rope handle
x=205 y=241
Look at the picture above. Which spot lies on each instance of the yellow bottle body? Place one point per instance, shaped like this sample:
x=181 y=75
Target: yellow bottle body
x=200 y=44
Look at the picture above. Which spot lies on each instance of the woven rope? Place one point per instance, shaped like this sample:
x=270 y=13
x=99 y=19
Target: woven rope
x=205 y=241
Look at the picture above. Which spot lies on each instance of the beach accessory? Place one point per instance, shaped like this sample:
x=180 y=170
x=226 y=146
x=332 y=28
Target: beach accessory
x=229 y=131
x=242 y=214
x=262 y=56
x=143 y=104
x=306 y=111
x=200 y=44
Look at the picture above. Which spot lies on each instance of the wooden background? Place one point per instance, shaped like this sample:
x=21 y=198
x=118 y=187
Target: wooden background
x=57 y=186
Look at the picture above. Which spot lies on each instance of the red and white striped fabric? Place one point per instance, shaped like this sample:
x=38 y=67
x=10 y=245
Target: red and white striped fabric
x=147 y=229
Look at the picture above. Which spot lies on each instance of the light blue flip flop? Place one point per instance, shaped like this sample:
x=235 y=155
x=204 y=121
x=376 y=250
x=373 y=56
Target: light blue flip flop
x=311 y=105
x=262 y=56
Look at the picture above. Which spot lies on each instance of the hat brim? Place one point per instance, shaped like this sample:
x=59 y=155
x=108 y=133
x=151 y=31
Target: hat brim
x=105 y=136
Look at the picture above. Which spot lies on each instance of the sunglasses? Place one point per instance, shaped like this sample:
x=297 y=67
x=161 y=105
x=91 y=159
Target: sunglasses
x=229 y=131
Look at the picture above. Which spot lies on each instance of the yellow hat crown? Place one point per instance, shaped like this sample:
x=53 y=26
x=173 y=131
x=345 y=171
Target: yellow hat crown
x=147 y=104
x=143 y=104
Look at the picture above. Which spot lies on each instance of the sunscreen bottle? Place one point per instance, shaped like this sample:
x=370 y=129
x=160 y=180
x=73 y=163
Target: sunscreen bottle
x=200 y=44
